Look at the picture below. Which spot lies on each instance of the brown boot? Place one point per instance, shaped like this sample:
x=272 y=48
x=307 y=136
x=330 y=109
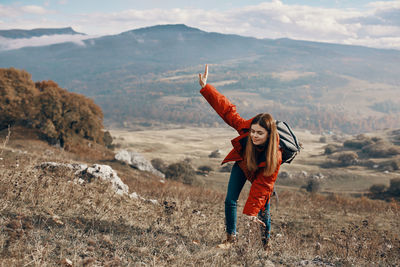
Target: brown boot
x=266 y=245
x=230 y=240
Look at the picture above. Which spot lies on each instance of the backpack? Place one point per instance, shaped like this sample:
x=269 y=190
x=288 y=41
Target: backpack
x=287 y=142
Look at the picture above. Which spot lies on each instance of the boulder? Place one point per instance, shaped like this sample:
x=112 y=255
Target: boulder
x=106 y=173
x=137 y=161
x=85 y=173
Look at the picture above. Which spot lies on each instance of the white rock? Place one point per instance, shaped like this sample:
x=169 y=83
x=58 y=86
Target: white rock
x=106 y=173
x=303 y=174
x=134 y=195
x=153 y=201
x=137 y=161
x=103 y=172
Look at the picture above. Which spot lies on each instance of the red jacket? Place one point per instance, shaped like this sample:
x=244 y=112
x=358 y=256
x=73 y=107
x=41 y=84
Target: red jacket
x=262 y=186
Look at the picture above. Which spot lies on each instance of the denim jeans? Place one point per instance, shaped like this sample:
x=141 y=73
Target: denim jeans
x=235 y=186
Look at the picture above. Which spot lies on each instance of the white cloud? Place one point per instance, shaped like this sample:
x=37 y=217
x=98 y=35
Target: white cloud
x=34 y=10
x=19 y=11
x=377 y=25
x=9 y=44
x=384 y=4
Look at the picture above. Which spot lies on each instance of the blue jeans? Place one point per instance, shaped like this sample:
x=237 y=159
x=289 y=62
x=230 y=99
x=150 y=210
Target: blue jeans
x=235 y=186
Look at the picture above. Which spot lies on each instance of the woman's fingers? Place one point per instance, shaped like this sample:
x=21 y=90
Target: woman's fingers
x=256 y=220
x=203 y=78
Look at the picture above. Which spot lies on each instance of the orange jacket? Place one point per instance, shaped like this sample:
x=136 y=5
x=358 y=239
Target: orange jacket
x=262 y=186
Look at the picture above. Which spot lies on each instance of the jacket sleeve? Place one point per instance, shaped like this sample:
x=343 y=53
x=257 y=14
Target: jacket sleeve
x=260 y=191
x=225 y=109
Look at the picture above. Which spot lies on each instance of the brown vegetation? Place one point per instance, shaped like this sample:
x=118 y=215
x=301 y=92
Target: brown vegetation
x=47 y=218
x=367 y=151
x=58 y=115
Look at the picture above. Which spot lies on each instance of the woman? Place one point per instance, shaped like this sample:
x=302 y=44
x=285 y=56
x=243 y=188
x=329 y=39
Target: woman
x=257 y=158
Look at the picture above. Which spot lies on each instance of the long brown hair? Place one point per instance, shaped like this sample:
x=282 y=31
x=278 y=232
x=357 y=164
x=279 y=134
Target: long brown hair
x=266 y=121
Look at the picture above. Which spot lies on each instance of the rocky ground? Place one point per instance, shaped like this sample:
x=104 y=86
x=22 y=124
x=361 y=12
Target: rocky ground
x=49 y=218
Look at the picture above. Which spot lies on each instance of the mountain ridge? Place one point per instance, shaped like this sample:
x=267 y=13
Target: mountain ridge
x=127 y=73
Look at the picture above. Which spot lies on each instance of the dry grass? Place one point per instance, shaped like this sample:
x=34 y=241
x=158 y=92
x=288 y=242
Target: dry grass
x=46 y=218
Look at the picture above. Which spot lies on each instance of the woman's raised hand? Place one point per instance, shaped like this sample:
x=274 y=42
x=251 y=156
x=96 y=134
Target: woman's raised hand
x=203 y=78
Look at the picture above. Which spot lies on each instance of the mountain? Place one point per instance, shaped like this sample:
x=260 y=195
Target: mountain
x=17 y=34
x=149 y=75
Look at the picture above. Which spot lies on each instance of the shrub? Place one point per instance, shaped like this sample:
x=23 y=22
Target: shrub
x=390 y=165
x=312 y=186
x=322 y=139
x=159 y=164
x=394 y=187
x=377 y=188
x=180 y=171
x=215 y=154
x=348 y=158
x=107 y=139
x=330 y=149
x=381 y=150
x=227 y=167
x=205 y=169
x=357 y=143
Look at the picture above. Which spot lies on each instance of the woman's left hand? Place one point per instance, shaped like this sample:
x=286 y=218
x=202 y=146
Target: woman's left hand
x=203 y=78
x=256 y=220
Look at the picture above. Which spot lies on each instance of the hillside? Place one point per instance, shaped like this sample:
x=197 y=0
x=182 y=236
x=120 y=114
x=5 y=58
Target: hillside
x=48 y=219
x=148 y=76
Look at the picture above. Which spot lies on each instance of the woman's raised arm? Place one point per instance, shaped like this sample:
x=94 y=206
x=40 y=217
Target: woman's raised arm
x=225 y=109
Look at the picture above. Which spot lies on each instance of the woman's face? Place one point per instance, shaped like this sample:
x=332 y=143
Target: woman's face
x=258 y=134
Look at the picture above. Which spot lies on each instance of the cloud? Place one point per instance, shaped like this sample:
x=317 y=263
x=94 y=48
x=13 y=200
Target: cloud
x=31 y=9
x=10 y=44
x=376 y=25
x=18 y=11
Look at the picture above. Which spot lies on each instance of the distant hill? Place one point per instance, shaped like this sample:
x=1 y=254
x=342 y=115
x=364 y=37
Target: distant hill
x=16 y=33
x=148 y=75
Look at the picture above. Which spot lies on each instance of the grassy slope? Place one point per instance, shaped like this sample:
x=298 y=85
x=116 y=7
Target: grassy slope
x=46 y=218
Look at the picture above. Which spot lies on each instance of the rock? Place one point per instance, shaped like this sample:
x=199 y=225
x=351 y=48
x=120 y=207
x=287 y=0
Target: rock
x=318 y=176
x=137 y=161
x=134 y=195
x=85 y=173
x=215 y=154
x=66 y=262
x=153 y=201
x=303 y=174
x=55 y=166
x=284 y=175
x=106 y=173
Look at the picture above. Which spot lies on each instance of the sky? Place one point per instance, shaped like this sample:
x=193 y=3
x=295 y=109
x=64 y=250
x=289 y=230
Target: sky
x=354 y=22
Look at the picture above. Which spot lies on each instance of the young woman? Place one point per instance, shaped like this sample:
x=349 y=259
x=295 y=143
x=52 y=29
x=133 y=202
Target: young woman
x=257 y=158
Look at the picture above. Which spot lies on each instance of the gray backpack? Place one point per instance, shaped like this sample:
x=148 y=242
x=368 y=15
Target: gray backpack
x=288 y=142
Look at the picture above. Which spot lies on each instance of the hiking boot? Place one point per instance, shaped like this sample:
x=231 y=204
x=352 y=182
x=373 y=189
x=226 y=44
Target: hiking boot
x=230 y=240
x=266 y=245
